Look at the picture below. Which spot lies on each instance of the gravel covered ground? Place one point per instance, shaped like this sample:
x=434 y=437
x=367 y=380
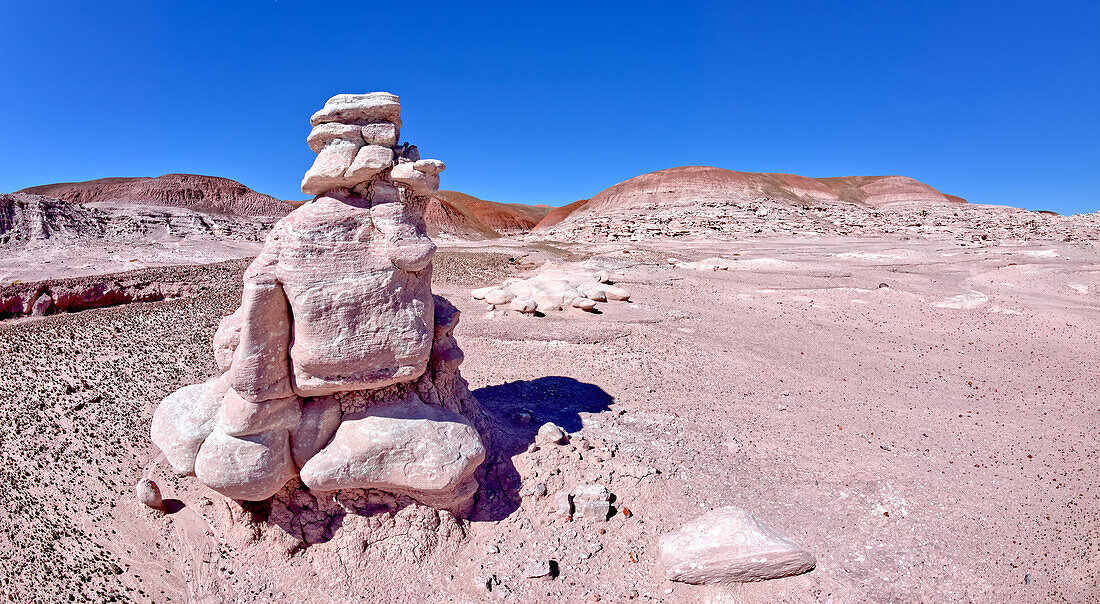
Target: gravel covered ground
x=921 y=416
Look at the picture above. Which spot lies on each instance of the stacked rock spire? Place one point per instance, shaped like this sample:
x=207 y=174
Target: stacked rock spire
x=355 y=137
x=339 y=367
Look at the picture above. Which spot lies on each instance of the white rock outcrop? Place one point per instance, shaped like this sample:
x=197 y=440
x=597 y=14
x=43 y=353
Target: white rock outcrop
x=339 y=368
x=553 y=289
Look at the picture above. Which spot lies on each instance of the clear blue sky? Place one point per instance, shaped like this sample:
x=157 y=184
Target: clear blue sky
x=551 y=102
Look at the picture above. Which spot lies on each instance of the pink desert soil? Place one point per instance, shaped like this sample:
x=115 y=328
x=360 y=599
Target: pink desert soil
x=921 y=414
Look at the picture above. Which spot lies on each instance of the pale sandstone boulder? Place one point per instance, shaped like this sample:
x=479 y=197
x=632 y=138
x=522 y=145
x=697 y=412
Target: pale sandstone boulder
x=429 y=166
x=250 y=468
x=360 y=109
x=259 y=370
x=183 y=421
x=41 y=305
x=369 y=161
x=381 y=133
x=612 y=292
x=550 y=433
x=584 y=304
x=523 y=305
x=148 y=494
x=323 y=134
x=320 y=418
x=359 y=321
x=421 y=183
x=593 y=292
x=329 y=168
x=731 y=545
x=499 y=297
x=238 y=417
x=556 y=289
x=226 y=339
x=405 y=446
x=592 y=501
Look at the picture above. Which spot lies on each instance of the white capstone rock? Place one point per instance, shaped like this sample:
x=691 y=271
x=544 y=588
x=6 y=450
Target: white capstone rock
x=360 y=109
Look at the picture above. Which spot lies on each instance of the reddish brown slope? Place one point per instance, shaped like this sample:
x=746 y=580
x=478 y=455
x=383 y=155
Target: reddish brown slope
x=693 y=184
x=442 y=217
x=503 y=218
x=557 y=215
x=877 y=190
x=192 y=191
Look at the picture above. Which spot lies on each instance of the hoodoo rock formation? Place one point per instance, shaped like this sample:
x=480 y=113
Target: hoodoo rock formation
x=339 y=368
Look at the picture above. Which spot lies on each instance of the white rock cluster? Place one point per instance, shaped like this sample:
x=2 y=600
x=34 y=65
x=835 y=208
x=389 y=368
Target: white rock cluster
x=339 y=368
x=552 y=289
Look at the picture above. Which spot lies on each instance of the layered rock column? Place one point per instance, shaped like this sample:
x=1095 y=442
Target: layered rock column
x=340 y=367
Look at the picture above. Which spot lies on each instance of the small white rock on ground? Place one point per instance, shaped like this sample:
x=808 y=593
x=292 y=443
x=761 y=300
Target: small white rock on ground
x=550 y=433
x=731 y=545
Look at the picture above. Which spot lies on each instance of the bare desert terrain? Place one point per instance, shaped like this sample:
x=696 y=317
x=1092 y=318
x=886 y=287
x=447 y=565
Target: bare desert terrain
x=919 y=413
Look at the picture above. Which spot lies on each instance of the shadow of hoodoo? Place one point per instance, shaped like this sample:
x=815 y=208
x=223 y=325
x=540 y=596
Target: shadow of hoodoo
x=555 y=399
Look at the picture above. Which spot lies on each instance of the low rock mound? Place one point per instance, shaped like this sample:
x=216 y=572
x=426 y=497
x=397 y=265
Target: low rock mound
x=209 y=194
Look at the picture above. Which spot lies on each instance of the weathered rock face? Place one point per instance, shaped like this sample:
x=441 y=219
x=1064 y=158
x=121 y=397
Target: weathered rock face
x=340 y=366
x=731 y=545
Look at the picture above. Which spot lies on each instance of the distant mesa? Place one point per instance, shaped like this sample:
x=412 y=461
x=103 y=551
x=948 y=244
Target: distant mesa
x=696 y=200
x=207 y=194
x=691 y=185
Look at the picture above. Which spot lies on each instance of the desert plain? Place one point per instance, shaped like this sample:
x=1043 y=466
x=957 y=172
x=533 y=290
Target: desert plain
x=919 y=412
